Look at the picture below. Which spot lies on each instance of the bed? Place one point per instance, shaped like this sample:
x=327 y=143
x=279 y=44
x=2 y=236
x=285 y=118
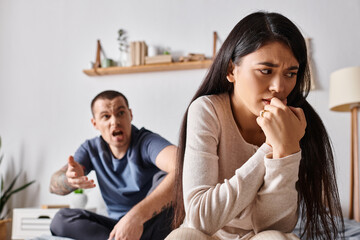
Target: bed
x=352 y=230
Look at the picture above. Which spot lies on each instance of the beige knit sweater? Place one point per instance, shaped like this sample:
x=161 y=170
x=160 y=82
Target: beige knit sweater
x=234 y=189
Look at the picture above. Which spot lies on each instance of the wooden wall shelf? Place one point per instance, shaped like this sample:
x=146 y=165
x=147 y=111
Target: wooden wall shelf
x=149 y=68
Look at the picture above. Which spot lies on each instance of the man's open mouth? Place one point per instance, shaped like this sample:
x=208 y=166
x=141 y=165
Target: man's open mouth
x=117 y=133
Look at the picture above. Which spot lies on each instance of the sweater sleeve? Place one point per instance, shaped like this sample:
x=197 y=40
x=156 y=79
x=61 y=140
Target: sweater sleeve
x=210 y=205
x=276 y=203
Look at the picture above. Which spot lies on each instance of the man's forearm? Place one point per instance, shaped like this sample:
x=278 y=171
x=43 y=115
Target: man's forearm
x=156 y=201
x=59 y=184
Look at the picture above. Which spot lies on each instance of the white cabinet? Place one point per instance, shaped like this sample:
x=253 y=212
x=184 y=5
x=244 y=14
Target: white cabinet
x=31 y=222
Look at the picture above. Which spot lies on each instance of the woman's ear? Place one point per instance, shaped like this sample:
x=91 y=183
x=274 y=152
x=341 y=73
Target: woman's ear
x=230 y=72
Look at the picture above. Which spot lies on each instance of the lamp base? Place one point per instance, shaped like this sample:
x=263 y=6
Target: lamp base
x=354 y=212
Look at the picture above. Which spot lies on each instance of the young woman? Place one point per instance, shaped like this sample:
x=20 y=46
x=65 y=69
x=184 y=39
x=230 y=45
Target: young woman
x=253 y=152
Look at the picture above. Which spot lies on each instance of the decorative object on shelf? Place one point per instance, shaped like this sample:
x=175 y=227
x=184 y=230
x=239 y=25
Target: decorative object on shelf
x=345 y=97
x=5 y=224
x=215 y=39
x=78 y=199
x=311 y=62
x=152 y=51
x=123 y=60
x=193 y=57
x=97 y=63
x=107 y=62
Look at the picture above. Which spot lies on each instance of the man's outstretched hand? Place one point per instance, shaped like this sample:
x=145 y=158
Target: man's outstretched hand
x=75 y=175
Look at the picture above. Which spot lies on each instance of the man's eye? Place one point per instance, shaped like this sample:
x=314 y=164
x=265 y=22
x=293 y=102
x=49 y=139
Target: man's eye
x=265 y=71
x=121 y=113
x=105 y=116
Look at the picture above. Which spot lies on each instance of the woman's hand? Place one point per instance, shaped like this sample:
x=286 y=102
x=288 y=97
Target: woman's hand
x=283 y=126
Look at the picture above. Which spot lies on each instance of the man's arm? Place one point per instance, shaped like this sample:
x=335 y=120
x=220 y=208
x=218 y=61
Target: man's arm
x=68 y=178
x=59 y=184
x=132 y=223
x=161 y=197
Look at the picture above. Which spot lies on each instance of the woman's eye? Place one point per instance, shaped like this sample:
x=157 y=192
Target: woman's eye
x=291 y=74
x=265 y=71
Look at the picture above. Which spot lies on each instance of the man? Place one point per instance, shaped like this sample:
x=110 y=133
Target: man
x=129 y=164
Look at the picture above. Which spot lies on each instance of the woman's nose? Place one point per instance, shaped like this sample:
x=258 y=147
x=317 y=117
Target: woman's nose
x=277 y=84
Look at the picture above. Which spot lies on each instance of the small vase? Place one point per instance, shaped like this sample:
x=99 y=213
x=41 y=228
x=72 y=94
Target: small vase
x=123 y=60
x=78 y=200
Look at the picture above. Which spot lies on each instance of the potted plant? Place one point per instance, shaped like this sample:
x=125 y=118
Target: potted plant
x=79 y=199
x=5 y=194
x=123 y=47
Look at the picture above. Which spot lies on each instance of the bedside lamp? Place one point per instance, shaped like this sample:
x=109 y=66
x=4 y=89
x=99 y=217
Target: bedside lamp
x=345 y=97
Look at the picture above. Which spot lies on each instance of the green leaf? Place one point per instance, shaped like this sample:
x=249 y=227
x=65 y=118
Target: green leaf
x=20 y=188
x=11 y=184
x=8 y=193
x=79 y=191
x=5 y=195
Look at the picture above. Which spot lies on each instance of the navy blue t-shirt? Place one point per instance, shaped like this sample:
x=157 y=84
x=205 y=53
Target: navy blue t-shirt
x=123 y=182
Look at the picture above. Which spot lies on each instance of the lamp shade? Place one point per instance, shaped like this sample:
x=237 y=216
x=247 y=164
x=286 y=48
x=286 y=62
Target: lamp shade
x=344 y=89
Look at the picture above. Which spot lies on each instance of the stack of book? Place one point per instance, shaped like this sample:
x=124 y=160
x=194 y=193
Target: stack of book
x=166 y=58
x=138 y=52
x=138 y=55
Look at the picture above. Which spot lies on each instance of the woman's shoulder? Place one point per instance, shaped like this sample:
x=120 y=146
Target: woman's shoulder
x=214 y=101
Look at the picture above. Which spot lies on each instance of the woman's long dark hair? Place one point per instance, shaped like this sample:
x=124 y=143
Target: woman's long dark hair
x=319 y=202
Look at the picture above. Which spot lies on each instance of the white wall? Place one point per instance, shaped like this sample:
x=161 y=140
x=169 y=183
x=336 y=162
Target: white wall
x=45 y=45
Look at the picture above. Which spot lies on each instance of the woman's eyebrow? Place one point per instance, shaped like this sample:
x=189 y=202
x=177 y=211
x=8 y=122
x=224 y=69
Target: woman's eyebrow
x=269 y=64
x=293 y=68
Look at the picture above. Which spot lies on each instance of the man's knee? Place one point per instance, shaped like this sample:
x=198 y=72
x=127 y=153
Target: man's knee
x=56 y=225
x=159 y=226
x=60 y=222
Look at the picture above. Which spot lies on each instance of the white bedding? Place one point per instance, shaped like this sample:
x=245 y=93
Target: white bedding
x=352 y=232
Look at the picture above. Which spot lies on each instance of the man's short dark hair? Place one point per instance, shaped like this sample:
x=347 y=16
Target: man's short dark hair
x=108 y=94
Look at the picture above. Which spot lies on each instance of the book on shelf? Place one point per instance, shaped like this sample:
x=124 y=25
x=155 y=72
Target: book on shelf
x=138 y=51
x=132 y=53
x=143 y=52
x=158 y=59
